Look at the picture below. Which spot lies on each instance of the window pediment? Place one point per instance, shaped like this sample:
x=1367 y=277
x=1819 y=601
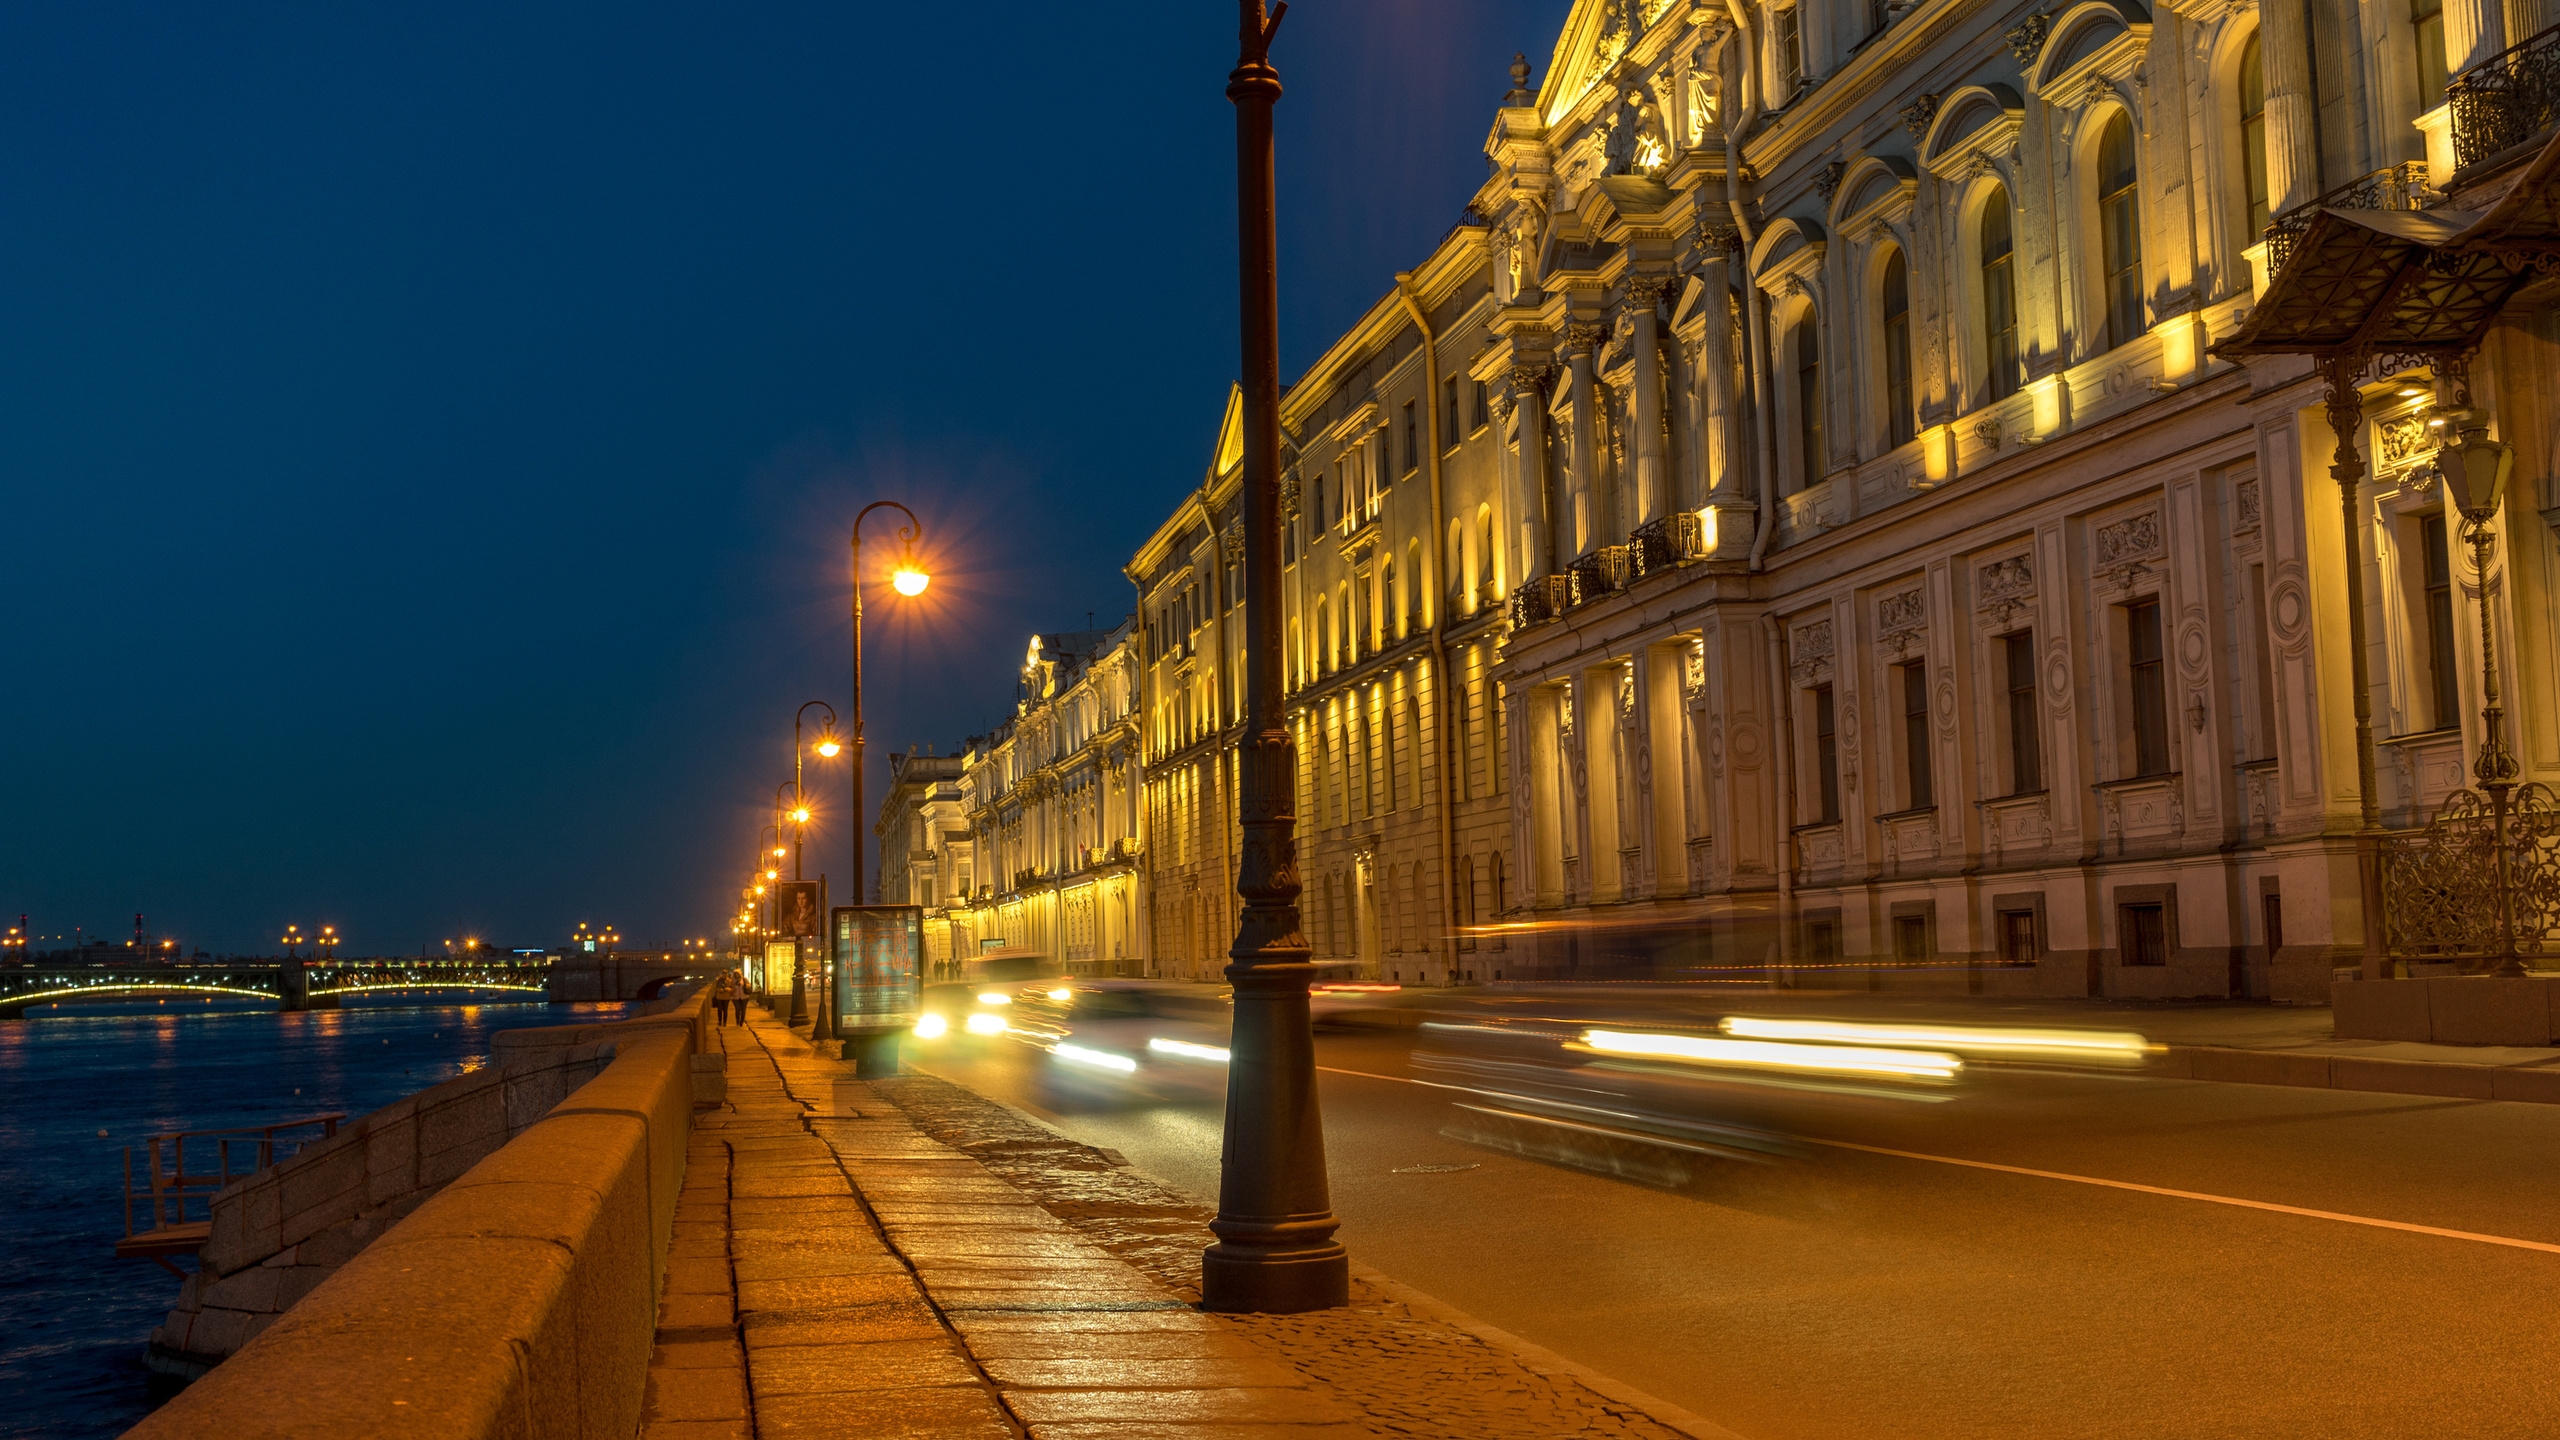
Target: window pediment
x=1876 y=189
x=2097 y=40
x=1789 y=249
x=1974 y=123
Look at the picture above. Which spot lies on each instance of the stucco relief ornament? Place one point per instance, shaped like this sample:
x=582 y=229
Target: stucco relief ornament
x=1827 y=184
x=1900 y=620
x=2006 y=587
x=2026 y=38
x=2245 y=499
x=1582 y=337
x=2122 y=548
x=1917 y=115
x=1813 y=651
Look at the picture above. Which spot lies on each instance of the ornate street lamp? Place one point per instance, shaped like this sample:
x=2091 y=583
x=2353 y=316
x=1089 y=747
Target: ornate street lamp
x=2476 y=481
x=876 y=1053
x=1275 y=1252
x=822 y=1020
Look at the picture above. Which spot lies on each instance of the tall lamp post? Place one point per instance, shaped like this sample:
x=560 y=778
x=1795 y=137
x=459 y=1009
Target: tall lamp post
x=1275 y=1252
x=2478 y=482
x=822 y=1020
x=875 y=1053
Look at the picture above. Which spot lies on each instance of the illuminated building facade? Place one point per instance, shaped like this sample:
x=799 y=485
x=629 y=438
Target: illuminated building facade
x=1907 y=592
x=1052 y=800
x=926 y=846
x=1189 y=577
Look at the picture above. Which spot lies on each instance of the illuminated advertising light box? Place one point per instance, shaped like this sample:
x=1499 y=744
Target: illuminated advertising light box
x=773 y=971
x=879 y=952
x=795 y=908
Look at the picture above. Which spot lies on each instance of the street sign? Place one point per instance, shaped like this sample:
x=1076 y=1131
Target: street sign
x=879 y=950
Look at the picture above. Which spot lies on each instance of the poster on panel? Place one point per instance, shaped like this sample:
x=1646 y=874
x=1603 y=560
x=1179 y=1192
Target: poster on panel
x=878 y=976
x=774 y=973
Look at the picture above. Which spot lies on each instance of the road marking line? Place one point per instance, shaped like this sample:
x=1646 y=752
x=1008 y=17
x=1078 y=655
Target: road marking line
x=2267 y=1205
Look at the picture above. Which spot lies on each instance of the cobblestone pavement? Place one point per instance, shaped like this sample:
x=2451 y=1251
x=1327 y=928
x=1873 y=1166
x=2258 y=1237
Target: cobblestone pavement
x=1406 y=1370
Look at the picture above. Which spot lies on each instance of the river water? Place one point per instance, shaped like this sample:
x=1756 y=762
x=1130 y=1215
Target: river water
x=77 y=1086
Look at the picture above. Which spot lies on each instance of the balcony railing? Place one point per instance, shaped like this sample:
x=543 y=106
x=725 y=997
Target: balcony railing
x=1665 y=543
x=1601 y=573
x=1540 y=600
x=2506 y=100
x=2398 y=187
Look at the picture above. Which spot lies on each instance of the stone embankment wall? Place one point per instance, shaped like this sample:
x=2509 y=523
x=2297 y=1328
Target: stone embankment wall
x=518 y=1296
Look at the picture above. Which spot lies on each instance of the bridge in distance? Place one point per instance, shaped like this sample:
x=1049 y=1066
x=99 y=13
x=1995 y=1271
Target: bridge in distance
x=324 y=985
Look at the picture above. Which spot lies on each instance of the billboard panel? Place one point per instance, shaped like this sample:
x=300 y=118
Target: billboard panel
x=771 y=971
x=795 y=908
x=879 y=950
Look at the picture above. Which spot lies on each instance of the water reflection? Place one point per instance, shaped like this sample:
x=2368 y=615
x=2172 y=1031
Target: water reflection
x=77 y=1085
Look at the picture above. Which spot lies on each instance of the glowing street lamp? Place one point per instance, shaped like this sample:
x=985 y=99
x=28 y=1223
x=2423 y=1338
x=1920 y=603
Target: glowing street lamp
x=877 y=1053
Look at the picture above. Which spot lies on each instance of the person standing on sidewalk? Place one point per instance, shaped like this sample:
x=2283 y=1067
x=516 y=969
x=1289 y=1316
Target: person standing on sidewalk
x=723 y=992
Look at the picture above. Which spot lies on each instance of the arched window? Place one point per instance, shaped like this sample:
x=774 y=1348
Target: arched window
x=1899 y=419
x=1999 y=298
x=2120 y=229
x=1809 y=399
x=2253 y=137
x=1487 y=572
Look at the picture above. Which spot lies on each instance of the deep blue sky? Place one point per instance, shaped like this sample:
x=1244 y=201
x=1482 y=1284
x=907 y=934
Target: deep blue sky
x=429 y=434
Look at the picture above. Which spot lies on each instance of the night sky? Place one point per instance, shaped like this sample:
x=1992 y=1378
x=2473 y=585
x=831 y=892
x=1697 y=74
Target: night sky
x=429 y=434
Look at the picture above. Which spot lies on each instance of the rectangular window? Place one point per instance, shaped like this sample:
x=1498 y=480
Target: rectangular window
x=2426 y=28
x=1826 y=755
x=1821 y=941
x=2149 y=689
x=2026 y=753
x=924 y=893
x=1450 y=430
x=2017 y=937
x=1484 y=407
x=1412 y=439
x=1915 y=734
x=1791 y=51
x=2143 y=934
x=2273 y=905
x=2446 y=685
x=1910 y=939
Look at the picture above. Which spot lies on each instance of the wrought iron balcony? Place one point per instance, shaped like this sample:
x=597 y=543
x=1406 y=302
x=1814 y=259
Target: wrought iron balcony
x=1602 y=572
x=1539 y=601
x=1665 y=543
x=2506 y=100
x=2397 y=187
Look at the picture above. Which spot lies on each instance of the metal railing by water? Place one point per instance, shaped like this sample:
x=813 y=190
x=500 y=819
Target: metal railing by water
x=2506 y=100
x=175 y=1203
x=2396 y=187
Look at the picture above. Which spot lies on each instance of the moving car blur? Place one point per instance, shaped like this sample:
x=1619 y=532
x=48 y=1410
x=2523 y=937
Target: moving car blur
x=1137 y=1040
x=1650 y=1084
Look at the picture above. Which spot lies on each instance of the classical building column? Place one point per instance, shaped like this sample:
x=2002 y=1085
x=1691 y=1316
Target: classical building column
x=2474 y=30
x=1537 y=487
x=1582 y=512
x=1644 y=294
x=2293 y=160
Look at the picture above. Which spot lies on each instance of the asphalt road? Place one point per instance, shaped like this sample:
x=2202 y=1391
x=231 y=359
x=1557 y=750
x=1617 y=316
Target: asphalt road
x=1842 y=1292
